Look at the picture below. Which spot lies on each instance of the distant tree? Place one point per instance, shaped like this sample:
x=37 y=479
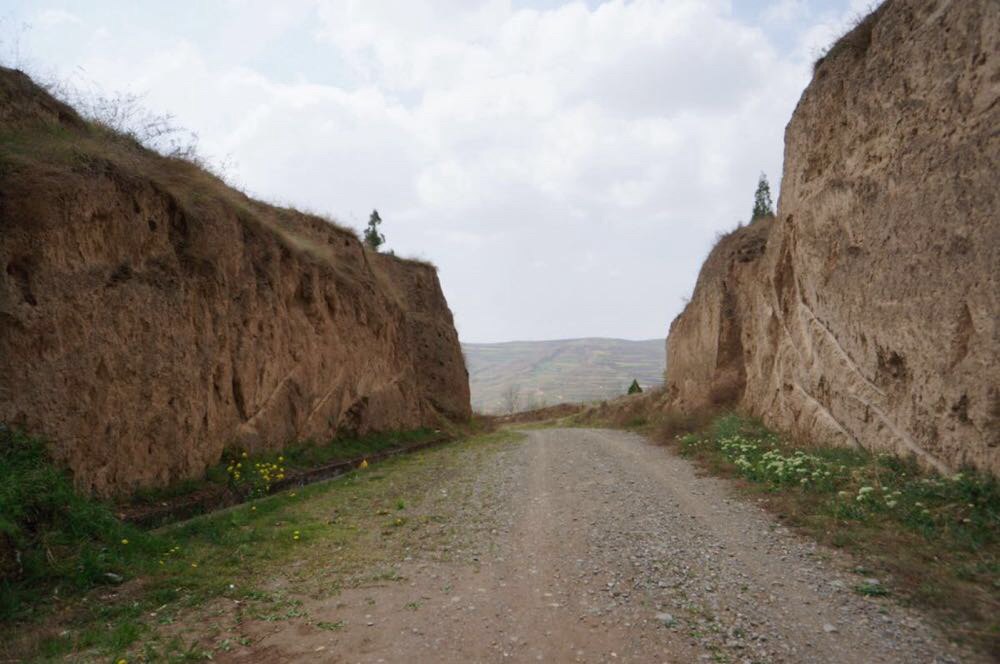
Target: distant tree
x=511 y=399
x=373 y=238
x=762 y=205
x=634 y=387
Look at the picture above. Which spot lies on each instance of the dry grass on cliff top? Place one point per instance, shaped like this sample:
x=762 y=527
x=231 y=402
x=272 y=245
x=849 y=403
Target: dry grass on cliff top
x=63 y=157
x=857 y=38
x=47 y=140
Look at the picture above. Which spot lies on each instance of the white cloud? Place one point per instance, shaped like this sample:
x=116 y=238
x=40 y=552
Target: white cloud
x=566 y=168
x=52 y=17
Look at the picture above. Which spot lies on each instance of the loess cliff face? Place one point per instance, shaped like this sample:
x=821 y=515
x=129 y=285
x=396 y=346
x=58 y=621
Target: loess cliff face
x=150 y=316
x=868 y=312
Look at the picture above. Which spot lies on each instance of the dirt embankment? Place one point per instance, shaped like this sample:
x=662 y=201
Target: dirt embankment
x=867 y=313
x=150 y=315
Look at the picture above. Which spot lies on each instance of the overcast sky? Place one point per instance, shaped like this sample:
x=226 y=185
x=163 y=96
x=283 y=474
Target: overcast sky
x=566 y=165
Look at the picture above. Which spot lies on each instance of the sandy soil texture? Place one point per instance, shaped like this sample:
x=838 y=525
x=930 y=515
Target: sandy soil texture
x=596 y=546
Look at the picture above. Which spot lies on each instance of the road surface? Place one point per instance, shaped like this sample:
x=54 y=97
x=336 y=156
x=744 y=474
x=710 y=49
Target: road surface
x=588 y=545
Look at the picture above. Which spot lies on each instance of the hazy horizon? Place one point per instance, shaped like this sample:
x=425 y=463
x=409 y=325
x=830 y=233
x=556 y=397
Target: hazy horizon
x=567 y=166
x=584 y=338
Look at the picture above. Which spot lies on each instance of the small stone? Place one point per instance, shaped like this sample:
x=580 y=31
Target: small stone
x=666 y=619
x=829 y=629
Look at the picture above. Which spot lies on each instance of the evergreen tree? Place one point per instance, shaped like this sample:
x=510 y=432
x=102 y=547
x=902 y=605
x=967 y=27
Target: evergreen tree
x=762 y=205
x=373 y=238
x=634 y=387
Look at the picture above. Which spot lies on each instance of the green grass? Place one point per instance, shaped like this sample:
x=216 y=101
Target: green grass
x=309 y=454
x=53 y=540
x=305 y=455
x=936 y=539
x=349 y=528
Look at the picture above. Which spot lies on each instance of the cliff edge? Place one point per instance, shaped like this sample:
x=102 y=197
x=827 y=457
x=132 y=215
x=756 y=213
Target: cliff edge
x=151 y=316
x=868 y=312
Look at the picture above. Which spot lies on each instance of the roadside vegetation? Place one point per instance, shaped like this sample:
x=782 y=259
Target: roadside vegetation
x=241 y=476
x=52 y=539
x=930 y=540
x=79 y=582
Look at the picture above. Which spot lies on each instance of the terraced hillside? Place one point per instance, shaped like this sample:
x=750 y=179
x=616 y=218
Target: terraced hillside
x=560 y=371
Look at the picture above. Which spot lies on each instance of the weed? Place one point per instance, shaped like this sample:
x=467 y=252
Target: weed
x=255 y=478
x=331 y=626
x=871 y=589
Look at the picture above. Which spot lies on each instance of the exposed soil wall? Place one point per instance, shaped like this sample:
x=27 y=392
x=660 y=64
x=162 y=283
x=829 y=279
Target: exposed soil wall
x=151 y=316
x=872 y=315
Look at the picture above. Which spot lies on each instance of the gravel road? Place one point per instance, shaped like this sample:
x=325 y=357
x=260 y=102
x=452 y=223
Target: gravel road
x=588 y=545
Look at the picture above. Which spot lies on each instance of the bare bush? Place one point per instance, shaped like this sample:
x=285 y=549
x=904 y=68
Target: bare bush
x=511 y=399
x=123 y=114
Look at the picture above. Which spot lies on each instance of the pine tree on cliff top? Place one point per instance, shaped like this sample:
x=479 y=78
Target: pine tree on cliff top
x=634 y=387
x=762 y=205
x=373 y=238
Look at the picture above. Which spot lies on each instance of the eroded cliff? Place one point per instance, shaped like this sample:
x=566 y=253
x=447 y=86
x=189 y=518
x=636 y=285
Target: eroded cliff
x=867 y=312
x=151 y=316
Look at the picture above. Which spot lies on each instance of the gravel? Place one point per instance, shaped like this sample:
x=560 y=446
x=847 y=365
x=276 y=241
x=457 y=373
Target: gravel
x=585 y=545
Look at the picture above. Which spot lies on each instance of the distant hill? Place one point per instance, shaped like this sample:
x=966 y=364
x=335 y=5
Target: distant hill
x=561 y=371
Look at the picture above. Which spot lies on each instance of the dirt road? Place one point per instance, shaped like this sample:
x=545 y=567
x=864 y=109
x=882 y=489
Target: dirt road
x=596 y=546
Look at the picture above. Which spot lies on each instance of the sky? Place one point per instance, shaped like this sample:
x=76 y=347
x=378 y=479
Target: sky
x=566 y=165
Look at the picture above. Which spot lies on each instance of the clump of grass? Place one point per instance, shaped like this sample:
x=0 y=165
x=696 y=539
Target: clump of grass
x=857 y=39
x=254 y=479
x=869 y=589
x=936 y=537
x=52 y=539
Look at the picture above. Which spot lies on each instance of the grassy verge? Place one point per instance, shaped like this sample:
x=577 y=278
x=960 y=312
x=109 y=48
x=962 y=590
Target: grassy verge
x=52 y=540
x=263 y=556
x=933 y=541
x=240 y=475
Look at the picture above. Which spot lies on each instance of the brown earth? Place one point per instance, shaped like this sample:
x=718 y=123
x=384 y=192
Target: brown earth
x=150 y=315
x=584 y=545
x=868 y=312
